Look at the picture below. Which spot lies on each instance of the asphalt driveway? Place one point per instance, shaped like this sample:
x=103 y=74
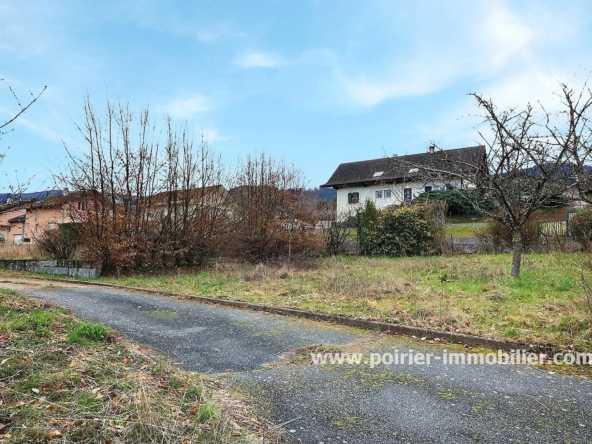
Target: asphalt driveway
x=344 y=403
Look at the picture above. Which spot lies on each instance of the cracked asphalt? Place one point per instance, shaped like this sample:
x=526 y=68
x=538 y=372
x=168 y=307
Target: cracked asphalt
x=343 y=404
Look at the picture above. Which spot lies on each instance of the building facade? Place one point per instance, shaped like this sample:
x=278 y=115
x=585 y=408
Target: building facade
x=394 y=180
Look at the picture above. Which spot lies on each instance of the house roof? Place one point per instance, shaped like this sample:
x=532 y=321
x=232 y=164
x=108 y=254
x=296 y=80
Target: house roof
x=17 y=219
x=243 y=193
x=193 y=193
x=398 y=169
x=34 y=196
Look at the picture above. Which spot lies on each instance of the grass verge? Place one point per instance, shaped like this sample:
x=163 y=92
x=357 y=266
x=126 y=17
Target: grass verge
x=64 y=380
x=461 y=230
x=469 y=293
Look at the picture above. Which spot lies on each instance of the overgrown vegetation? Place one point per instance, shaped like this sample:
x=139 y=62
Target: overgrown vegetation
x=496 y=237
x=465 y=293
x=144 y=203
x=61 y=243
x=62 y=380
x=458 y=204
x=580 y=228
x=408 y=230
x=271 y=214
x=400 y=231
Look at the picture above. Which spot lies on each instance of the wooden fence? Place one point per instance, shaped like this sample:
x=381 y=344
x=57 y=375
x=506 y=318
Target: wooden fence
x=556 y=227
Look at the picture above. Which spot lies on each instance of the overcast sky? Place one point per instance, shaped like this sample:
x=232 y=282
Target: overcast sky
x=316 y=82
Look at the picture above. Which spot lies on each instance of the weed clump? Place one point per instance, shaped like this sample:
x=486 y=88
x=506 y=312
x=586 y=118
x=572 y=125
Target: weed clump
x=88 y=332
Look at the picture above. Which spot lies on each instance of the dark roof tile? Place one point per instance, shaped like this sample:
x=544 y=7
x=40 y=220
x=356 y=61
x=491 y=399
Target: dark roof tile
x=398 y=169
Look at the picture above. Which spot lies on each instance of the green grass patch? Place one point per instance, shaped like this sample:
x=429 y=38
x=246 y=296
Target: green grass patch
x=61 y=381
x=88 y=332
x=462 y=230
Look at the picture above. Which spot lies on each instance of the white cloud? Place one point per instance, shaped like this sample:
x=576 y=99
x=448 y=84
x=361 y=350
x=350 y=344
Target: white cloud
x=41 y=129
x=212 y=135
x=186 y=107
x=161 y=16
x=365 y=91
x=480 y=50
x=209 y=33
x=502 y=35
x=258 y=60
x=457 y=125
x=219 y=31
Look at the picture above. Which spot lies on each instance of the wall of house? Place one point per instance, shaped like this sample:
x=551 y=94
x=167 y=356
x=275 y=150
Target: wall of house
x=9 y=230
x=345 y=209
x=37 y=220
x=40 y=219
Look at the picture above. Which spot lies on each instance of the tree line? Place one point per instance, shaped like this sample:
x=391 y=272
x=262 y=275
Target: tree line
x=149 y=196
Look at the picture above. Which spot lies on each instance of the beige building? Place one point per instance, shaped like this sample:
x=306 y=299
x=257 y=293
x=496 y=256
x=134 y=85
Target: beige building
x=12 y=225
x=23 y=220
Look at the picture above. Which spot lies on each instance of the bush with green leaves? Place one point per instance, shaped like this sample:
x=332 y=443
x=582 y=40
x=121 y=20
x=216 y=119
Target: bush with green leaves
x=458 y=205
x=403 y=231
x=363 y=220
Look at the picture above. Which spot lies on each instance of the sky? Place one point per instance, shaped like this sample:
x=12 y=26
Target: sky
x=316 y=82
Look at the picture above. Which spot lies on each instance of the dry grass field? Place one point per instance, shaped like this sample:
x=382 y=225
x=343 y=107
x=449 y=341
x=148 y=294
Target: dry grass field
x=23 y=251
x=468 y=293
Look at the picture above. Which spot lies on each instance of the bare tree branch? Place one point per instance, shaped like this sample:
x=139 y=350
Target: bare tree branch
x=532 y=158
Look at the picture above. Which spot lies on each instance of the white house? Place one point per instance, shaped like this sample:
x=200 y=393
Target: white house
x=393 y=180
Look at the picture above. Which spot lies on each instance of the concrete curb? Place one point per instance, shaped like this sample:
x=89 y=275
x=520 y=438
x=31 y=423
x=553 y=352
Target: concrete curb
x=399 y=329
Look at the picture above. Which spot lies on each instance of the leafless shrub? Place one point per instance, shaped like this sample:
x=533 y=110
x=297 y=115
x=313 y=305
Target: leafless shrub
x=61 y=243
x=146 y=204
x=273 y=216
x=334 y=230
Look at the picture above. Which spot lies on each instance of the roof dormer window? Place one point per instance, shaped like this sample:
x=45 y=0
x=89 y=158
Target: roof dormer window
x=414 y=170
x=378 y=174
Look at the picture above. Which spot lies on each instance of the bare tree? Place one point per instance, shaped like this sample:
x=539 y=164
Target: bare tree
x=334 y=230
x=5 y=127
x=273 y=215
x=144 y=202
x=576 y=136
x=23 y=106
x=531 y=158
x=194 y=210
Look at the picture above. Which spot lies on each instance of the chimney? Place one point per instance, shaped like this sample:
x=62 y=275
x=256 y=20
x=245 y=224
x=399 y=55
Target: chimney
x=432 y=148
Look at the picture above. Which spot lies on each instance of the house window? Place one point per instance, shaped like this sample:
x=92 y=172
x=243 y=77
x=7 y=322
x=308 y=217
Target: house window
x=407 y=194
x=448 y=187
x=428 y=188
x=53 y=225
x=353 y=198
x=387 y=194
x=81 y=206
x=379 y=194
